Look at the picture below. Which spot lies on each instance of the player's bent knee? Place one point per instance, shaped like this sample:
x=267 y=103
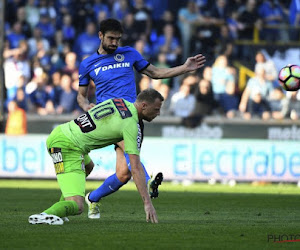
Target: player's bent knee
x=124 y=177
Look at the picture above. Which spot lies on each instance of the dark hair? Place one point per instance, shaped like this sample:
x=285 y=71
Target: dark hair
x=110 y=24
x=149 y=95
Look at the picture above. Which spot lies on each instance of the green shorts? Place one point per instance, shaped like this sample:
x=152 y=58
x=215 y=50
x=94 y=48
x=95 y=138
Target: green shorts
x=69 y=163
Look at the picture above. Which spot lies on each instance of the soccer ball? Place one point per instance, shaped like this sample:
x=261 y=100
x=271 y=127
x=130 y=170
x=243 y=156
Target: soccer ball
x=289 y=77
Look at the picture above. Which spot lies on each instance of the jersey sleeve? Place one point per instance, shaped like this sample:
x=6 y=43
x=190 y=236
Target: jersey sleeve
x=140 y=63
x=132 y=139
x=84 y=78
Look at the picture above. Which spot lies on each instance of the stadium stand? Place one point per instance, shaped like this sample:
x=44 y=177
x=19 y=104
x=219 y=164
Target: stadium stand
x=41 y=35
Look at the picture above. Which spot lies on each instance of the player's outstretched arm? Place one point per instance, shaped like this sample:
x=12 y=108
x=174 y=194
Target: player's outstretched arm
x=140 y=182
x=82 y=98
x=191 y=64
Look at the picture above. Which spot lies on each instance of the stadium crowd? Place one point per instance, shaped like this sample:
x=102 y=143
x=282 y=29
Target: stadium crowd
x=47 y=39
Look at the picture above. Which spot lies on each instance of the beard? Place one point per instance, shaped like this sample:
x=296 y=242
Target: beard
x=109 y=50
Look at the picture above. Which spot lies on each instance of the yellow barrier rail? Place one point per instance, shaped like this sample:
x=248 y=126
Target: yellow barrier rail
x=244 y=74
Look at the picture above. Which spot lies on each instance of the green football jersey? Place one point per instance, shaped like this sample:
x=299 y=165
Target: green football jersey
x=107 y=123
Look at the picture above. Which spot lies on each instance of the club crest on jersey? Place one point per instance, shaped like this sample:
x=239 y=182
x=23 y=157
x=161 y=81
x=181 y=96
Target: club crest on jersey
x=119 y=57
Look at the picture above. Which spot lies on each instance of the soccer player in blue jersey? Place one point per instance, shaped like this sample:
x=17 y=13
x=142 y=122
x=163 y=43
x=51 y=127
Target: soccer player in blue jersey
x=111 y=69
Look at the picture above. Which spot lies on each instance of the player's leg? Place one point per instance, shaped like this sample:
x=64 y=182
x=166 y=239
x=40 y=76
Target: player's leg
x=113 y=182
x=72 y=185
x=89 y=166
x=72 y=205
x=71 y=179
x=109 y=186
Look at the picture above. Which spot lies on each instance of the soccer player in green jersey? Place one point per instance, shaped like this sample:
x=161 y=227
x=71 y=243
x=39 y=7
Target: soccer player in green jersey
x=112 y=70
x=107 y=123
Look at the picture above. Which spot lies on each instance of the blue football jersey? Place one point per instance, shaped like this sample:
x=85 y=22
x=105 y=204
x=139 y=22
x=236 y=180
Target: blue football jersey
x=113 y=74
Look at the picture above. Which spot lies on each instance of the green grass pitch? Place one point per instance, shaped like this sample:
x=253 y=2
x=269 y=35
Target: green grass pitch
x=199 y=216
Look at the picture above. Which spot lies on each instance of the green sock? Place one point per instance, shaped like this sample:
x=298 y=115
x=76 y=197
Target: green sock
x=63 y=208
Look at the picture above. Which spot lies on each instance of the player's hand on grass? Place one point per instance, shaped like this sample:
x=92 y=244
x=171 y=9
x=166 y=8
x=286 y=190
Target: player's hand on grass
x=150 y=212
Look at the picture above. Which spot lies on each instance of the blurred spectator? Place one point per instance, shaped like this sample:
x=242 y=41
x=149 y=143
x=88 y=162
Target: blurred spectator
x=167 y=18
x=40 y=101
x=70 y=64
x=142 y=18
x=157 y=7
x=47 y=28
x=46 y=8
x=21 y=98
x=55 y=88
x=249 y=19
x=208 y=30
x=207 y=73
x=191 y=79
x=278 y=104
x=229 y=101
x=87 y=42
x=16 y=69
x=293 y=98
x=218 y=16
x=83 y=14
x=183 y=101
x=225 y=44
x=271 y=72
x=273 y=16
x=68 y=97
x=102 y=15
x=11 y=8
x=16 y=35
x=64 y=7
x=147 y=82
x=164 y=90
x=75 y=81
x=120 y=9
x=130 y=35
x=34 y=40
x=205 y=102
x=168 y=44
x=234 y=25
x=101 y=6
x=188 y=17
x=143 y=47
x=294 y=20
x=25 y=26
x=254 y=101
x=221 y=75
x=59 y=51
x=16 y=123
x=32 y=13
x=43 y=56
x=162 y=63
x=68 y=29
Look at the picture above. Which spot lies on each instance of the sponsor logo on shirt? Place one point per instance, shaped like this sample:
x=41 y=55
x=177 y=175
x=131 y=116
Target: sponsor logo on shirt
x=112 y=66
